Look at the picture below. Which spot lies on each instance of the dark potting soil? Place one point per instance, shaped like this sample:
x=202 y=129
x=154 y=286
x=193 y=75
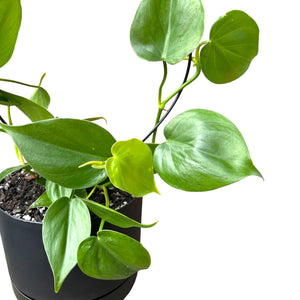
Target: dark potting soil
x=19 y=190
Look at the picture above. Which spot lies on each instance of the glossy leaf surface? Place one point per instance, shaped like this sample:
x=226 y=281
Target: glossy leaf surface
x=167 y=30
x=203 y=151
x=66 y=224
x=10 y=22
x=32 y=110
x=112 y=216
x=131 y=167
x=112 y=255
x=233 y=44
x=56 y=148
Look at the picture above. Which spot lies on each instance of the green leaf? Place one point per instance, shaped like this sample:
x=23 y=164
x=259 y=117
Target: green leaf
x=203 y=151
x=41 y=97
x=42 y=201
x=167 y=30
x=55 y=191
x=233 y=45
x=32 y=110
x=112 y=216
x=131 y=167
x=66 y=224
x=112 y=255
x=55 y=148
x=10 y=170
x=10 y=22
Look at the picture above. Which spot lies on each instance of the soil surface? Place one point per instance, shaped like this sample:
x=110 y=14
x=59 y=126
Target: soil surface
x=19 y=190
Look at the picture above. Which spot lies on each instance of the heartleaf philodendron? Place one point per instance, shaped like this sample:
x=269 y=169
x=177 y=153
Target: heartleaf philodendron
x=232 y=46
x=80 y=162
x=131 y=168
x=112 y=255
x=203 y=151
x=167 y=30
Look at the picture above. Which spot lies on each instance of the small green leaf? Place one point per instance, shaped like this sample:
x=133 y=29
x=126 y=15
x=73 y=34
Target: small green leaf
x=112 y=216
x=32 y=110
x=8 y=171
x=167 y=30
x=233 y=44
x=67 y=223
x=55 y=191
x=10 y=22
x=203 y=151
x=42 y=201
x=56 y=148
x=131 y=167
x=111 y=256
x=41 y=97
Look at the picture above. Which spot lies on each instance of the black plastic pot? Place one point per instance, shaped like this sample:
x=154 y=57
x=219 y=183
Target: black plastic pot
x=30 y=272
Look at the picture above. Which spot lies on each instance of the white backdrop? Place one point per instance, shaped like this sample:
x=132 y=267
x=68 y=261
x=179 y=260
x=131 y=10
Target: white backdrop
x=240 y=242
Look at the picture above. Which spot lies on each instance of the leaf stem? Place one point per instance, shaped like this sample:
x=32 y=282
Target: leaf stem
x=162 y=83
x=106 y=204
x=18 y=82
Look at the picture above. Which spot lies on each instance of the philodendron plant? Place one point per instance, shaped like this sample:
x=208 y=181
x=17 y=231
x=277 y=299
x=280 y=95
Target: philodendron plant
x=202 y=149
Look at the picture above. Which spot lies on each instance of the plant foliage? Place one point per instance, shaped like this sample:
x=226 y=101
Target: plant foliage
x=202 y=149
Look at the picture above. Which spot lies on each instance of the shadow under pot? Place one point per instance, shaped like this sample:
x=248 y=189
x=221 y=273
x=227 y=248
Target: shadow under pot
x=30 y=272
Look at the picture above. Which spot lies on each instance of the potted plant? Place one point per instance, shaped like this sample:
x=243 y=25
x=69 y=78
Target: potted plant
x=74 y=162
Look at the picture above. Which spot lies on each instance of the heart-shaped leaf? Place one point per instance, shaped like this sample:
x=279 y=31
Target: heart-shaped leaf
x=32 y=110
x=167 y=30
x=67 y=223
x=131 y=167
x=10 y=22
x=203 y=151
x=112 y=216
x=56 y=148
x=232 y=46
x=112 y=255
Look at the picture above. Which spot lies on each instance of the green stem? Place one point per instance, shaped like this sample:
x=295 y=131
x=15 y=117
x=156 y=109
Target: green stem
x=92 y=192
x=18 y=82
x=106 y=204
x=9 y=116
x=198 y=71
x=156 y=122
x=163 y=82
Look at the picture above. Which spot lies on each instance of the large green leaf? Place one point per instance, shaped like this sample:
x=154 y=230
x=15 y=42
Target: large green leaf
x=203 y=151
x=167 y=29
x=10 y=22
x=66 y=224
x=32 y=110
x=56 y=148
x=232 y=46
x=131 y=167
x=112 y=216
x=112 y=255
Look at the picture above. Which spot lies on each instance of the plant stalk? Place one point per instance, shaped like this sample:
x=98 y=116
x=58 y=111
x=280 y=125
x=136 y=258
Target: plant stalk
x=106 y=204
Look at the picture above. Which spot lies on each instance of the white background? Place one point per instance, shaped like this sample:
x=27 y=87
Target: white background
x=240 y=242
